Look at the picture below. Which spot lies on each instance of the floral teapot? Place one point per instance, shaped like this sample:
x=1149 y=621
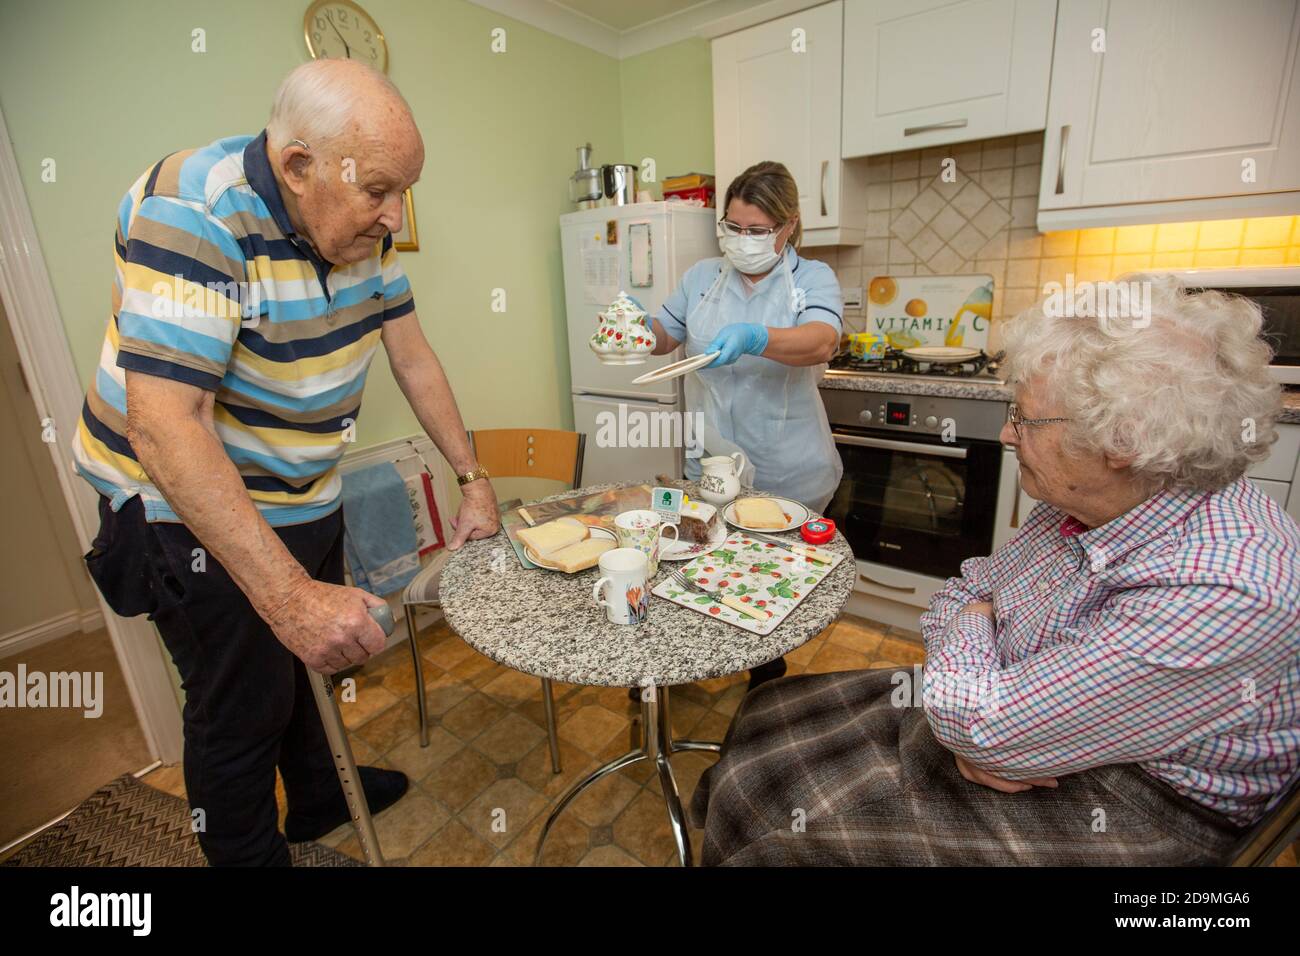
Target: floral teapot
x=623 y=336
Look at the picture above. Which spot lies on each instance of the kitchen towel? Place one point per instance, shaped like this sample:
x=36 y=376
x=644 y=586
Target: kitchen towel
x=379 y=541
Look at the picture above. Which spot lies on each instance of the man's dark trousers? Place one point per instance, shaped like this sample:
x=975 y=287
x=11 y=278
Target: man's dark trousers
x=248 y=704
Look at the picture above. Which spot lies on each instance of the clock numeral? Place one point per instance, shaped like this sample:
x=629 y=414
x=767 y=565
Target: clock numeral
x=366 y=34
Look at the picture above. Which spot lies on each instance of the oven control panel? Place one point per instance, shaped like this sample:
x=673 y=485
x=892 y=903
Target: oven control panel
x=924 y=414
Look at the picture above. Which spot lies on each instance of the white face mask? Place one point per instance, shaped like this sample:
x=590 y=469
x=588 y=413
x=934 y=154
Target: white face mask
x=750 y=254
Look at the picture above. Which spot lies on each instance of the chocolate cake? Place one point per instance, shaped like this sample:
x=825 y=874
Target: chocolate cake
x=698 y=522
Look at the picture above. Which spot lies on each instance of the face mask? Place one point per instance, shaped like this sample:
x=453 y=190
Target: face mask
x=750 y=254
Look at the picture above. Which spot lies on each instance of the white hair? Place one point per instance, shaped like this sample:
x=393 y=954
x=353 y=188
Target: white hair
x=317 y=99
x=1183 y=392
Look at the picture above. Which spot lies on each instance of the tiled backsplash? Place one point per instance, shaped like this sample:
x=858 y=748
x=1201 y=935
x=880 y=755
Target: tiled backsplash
x=985 y=222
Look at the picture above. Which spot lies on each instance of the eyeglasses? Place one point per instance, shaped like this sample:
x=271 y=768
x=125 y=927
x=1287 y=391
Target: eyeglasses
x=1013 y=416
x=728 y=228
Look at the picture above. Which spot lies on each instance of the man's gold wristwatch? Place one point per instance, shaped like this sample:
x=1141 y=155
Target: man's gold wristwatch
x=477 y=473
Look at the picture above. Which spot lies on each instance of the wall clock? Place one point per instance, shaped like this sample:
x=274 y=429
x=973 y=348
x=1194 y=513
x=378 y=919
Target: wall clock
x=341 y=30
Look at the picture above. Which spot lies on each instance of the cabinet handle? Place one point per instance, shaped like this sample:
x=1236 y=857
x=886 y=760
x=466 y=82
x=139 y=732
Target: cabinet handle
x=887 y=587
x=1060 y=165
x=1015 y=506
x=825 y=166
x=946 y=124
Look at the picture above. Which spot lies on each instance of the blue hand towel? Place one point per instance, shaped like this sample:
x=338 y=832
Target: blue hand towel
x=379 y=543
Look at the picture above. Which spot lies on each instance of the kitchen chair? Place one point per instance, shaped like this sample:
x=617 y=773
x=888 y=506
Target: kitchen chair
x=506 y=453
x=1277 y=830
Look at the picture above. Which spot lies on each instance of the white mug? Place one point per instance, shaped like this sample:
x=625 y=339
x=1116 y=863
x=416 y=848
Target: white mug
x=625 y=572
x=644 y=530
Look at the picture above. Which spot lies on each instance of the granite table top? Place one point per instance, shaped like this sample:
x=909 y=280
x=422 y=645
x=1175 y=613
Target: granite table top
x=545 y=622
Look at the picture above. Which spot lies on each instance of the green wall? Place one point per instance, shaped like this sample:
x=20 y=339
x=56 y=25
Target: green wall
x=667 y=108
x=107 y=87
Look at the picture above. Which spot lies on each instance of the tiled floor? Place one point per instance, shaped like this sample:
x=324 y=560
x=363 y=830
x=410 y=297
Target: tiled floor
x=482 y=788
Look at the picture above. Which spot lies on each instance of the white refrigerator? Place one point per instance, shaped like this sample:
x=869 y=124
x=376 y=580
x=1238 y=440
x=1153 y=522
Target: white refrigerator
x=642 y=249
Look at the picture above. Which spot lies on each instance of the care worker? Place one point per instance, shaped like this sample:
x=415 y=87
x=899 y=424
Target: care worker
x=774 y=317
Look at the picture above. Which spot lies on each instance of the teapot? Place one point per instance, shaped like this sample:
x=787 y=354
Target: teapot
x=623 y=336
x=720 y=478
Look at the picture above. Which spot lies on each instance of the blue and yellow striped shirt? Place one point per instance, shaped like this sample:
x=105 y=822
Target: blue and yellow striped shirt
x=213 y=288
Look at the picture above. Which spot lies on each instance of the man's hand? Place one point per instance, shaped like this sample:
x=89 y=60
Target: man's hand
x=985 y=779
x=477 y=516
x=980 y=607
x=328 y=627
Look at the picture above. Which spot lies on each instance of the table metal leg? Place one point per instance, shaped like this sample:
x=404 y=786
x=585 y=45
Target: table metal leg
x=571 y=794
x=657 y=744
x=322 y=688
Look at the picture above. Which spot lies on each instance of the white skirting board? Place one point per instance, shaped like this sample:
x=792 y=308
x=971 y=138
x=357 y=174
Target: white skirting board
x=33 y=635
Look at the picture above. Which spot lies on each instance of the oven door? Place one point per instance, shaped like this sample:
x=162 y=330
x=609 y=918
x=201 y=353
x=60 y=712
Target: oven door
x=916 y=503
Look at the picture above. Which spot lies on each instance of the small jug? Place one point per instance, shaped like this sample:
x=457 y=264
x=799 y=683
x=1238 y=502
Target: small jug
x=720 y=478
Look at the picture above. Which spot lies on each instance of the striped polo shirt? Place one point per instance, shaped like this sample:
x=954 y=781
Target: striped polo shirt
x=212 y=287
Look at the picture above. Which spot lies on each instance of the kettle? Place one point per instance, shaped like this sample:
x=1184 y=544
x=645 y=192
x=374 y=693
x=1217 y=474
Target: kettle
x=619 y=181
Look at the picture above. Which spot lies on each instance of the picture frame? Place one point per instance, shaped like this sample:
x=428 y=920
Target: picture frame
x=408 y=239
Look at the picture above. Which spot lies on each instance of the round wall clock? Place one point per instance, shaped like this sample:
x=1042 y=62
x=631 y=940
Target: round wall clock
x=342 y=30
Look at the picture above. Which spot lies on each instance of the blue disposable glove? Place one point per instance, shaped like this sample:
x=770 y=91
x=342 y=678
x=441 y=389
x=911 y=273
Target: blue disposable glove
x=740 y=338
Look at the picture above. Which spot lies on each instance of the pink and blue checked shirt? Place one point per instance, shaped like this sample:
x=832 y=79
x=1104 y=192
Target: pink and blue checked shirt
x=1168 y=637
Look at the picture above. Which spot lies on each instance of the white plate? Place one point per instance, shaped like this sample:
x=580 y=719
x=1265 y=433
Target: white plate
x=797 y=512
x=670 y=550
x=941 y=354
x=675 y=369
x=594 y=532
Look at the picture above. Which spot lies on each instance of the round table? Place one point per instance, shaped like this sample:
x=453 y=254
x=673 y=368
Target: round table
x=545 y=623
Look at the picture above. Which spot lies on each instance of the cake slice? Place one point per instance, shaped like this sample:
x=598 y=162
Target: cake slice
x=699 y=519
x=759 y=513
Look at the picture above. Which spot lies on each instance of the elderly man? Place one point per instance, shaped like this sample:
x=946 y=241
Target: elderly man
x=255 y=280
x=1120 y=683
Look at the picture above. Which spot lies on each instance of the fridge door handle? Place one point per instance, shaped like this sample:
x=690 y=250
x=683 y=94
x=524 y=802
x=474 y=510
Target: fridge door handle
x=656 y=398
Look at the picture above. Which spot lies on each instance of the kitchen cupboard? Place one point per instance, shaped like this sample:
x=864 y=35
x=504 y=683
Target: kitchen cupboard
x=1171 y=110
x=923 y=73
x=776 y=96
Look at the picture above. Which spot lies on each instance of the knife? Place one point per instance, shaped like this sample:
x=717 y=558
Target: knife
x=816 y=555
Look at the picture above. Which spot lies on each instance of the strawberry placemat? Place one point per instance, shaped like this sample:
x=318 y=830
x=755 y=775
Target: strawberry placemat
x=766 y=575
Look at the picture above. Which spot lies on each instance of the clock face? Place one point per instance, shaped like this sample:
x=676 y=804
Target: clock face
x=342 y=30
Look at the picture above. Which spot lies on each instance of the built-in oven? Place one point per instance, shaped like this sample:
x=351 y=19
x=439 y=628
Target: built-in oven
x=921 y=477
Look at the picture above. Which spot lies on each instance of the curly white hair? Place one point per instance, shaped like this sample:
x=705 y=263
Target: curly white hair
x=1181 y=391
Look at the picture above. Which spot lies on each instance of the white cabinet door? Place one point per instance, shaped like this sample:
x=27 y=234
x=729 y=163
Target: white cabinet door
x=776 y=96
x=1277 y=490
x=1191 y=99
x=1283 y=460
x=926 y=72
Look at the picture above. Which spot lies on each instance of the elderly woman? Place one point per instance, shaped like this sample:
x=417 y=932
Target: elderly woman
x=1119 y=683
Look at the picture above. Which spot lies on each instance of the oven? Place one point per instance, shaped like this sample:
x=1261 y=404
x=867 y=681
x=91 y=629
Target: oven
x=921 y=478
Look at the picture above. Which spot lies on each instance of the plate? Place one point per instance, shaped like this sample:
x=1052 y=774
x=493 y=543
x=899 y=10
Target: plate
x=593 y=532
x=670 y=550
x=942 y=354
x=795 y=513
x=675 y=369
